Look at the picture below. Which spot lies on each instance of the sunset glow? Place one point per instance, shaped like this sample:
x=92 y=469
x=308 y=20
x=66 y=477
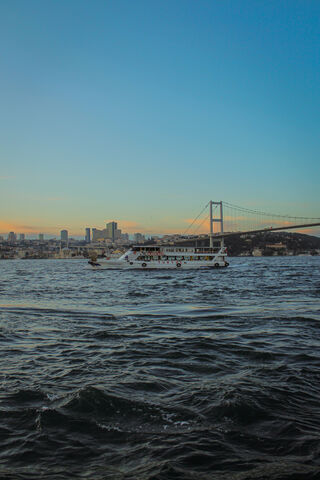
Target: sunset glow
x=137 y=112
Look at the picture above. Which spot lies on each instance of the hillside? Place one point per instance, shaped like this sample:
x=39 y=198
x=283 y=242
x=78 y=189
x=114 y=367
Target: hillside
x=273 y=243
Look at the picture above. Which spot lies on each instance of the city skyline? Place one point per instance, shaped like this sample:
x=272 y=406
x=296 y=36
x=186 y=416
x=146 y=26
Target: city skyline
x=55 y=231
x=200 y=226
x=149 y=110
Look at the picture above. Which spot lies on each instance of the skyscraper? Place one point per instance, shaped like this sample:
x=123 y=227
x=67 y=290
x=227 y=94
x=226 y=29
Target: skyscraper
x=64 y=236
x=88 y=236
x=99 y=235
x=12 y=237
x=111 y=228
x=22 y=237
x=41 y=237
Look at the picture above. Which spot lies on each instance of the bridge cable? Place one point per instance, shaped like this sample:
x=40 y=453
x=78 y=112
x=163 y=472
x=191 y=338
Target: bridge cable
x=258 y=212
x=205 y=218
x=189 y=226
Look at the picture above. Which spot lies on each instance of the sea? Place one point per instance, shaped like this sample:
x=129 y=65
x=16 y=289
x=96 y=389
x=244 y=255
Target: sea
x=160 y=375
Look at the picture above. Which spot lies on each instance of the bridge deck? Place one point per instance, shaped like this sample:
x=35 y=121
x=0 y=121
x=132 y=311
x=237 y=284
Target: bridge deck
x=247 y=232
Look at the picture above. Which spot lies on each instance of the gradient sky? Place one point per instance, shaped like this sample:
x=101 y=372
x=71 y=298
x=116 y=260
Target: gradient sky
x=143 y=111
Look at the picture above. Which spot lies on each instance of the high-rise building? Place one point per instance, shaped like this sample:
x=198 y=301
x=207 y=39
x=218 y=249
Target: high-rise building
x=22 y=237
x=111 y=228
x=111 y=233
x=88 y=236
x=64 y=236
x=41 y=237
x=98 y=235
x=117 y=234
x=12 y=237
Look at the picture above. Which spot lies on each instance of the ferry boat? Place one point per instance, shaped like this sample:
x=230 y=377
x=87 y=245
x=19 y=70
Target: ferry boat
x=147 y=257
x=171 y=256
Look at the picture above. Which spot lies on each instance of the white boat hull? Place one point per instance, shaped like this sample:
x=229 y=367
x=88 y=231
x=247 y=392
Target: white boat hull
x=164 y=257
x=124 y=265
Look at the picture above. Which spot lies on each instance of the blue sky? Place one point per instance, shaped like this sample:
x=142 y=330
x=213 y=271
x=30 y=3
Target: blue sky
x=141 y=111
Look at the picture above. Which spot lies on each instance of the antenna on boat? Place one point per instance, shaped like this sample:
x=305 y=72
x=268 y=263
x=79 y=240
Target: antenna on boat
x=220 y=220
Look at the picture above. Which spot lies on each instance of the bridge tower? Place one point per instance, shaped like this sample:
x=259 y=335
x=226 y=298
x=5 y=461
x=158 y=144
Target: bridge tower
x=219 y=220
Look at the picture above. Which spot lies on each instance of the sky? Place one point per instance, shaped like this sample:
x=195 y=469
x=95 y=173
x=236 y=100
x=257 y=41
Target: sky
x=143 y=111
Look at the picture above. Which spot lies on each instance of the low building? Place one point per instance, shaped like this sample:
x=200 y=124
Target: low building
x=139 y=238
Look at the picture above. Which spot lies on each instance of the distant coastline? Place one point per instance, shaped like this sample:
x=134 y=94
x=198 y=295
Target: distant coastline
x=253 y=245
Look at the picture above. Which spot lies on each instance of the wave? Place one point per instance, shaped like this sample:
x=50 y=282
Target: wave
x=122 y=411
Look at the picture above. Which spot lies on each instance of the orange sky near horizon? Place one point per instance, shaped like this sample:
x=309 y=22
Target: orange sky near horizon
x=126 y=227
x=188 y=225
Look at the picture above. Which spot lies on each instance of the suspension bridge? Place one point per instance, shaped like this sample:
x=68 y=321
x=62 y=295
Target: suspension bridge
x=226 y=219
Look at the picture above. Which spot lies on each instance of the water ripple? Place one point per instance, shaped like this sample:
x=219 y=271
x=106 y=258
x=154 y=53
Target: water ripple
x=160 y=376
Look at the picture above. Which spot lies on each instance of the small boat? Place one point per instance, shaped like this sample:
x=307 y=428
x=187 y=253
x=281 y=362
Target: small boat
x=146 y=257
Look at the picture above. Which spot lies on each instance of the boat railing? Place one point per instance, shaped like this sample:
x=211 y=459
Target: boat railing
x=206 y=249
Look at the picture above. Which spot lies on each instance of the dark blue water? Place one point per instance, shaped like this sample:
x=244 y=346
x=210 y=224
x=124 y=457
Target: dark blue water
x=158 y=374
